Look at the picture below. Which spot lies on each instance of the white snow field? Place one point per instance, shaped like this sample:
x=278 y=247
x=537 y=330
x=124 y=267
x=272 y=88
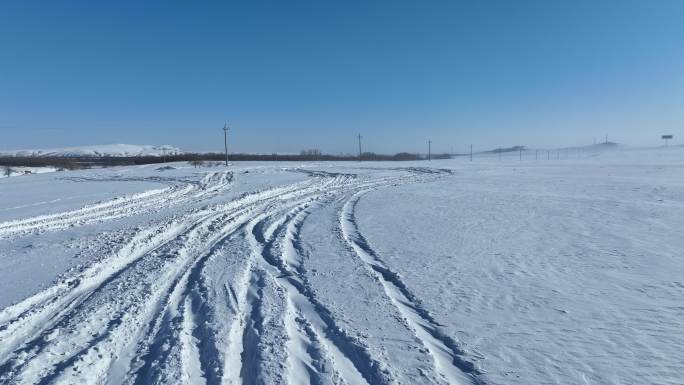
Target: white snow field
x=565 y=271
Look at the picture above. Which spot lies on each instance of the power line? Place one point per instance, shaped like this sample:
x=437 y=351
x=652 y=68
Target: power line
x=225 y=139
x=360 y=147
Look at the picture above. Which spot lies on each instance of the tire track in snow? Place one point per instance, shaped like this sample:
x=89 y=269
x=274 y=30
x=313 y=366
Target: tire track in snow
x=241 y=361
x=120 y=207
x=244 y=357
x=26 y=319
x=448 y=358
x=31 y=349
x=251 y=356
x=173 y=327
x=318 y=351
x=150 y=312
x=351 y=361
x=243 y=300
x=104 y=324
x=308 y=362
x=168 y=348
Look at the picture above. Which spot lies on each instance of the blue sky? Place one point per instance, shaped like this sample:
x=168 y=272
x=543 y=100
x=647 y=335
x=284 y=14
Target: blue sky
x=291 y=75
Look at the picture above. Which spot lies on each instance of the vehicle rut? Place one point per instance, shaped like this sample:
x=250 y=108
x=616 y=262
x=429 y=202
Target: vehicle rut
x=211 y=295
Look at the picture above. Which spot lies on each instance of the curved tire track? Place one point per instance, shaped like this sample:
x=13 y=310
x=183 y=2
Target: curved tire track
x=187 y=300
x=449 y=359
x=120 y=207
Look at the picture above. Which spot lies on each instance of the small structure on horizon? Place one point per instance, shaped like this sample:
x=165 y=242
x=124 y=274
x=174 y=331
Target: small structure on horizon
x=666 y=138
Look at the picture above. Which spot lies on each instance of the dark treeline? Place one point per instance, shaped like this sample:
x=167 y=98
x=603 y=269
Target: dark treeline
x=76 y=162
x=60 y=162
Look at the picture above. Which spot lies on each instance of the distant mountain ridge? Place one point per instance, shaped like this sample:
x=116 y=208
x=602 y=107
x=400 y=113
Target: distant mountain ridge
x=114 y=150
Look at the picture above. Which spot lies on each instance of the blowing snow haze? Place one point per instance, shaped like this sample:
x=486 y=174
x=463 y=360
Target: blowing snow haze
x=342 y=193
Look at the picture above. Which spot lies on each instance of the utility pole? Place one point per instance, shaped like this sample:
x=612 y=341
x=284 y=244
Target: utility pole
x=429 y=150
x=359 y=147
x=471 y=152
x=499 y=153
x=521 y=154
x=536 y=154
x=225 y=139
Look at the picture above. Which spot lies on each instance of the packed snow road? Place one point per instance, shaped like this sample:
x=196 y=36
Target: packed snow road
x=491 y=272
x=216 y=294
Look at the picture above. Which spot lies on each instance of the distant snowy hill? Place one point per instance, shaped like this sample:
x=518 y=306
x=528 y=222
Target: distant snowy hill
x=598 y=147
x=100 y=150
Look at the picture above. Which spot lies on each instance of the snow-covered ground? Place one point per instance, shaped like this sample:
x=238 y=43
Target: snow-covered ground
x=562 y=271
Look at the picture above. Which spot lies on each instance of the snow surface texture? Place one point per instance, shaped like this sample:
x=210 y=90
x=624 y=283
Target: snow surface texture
x=99 y=150
x=450 y=272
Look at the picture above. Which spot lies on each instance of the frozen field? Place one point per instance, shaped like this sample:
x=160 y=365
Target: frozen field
x=565 y=271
